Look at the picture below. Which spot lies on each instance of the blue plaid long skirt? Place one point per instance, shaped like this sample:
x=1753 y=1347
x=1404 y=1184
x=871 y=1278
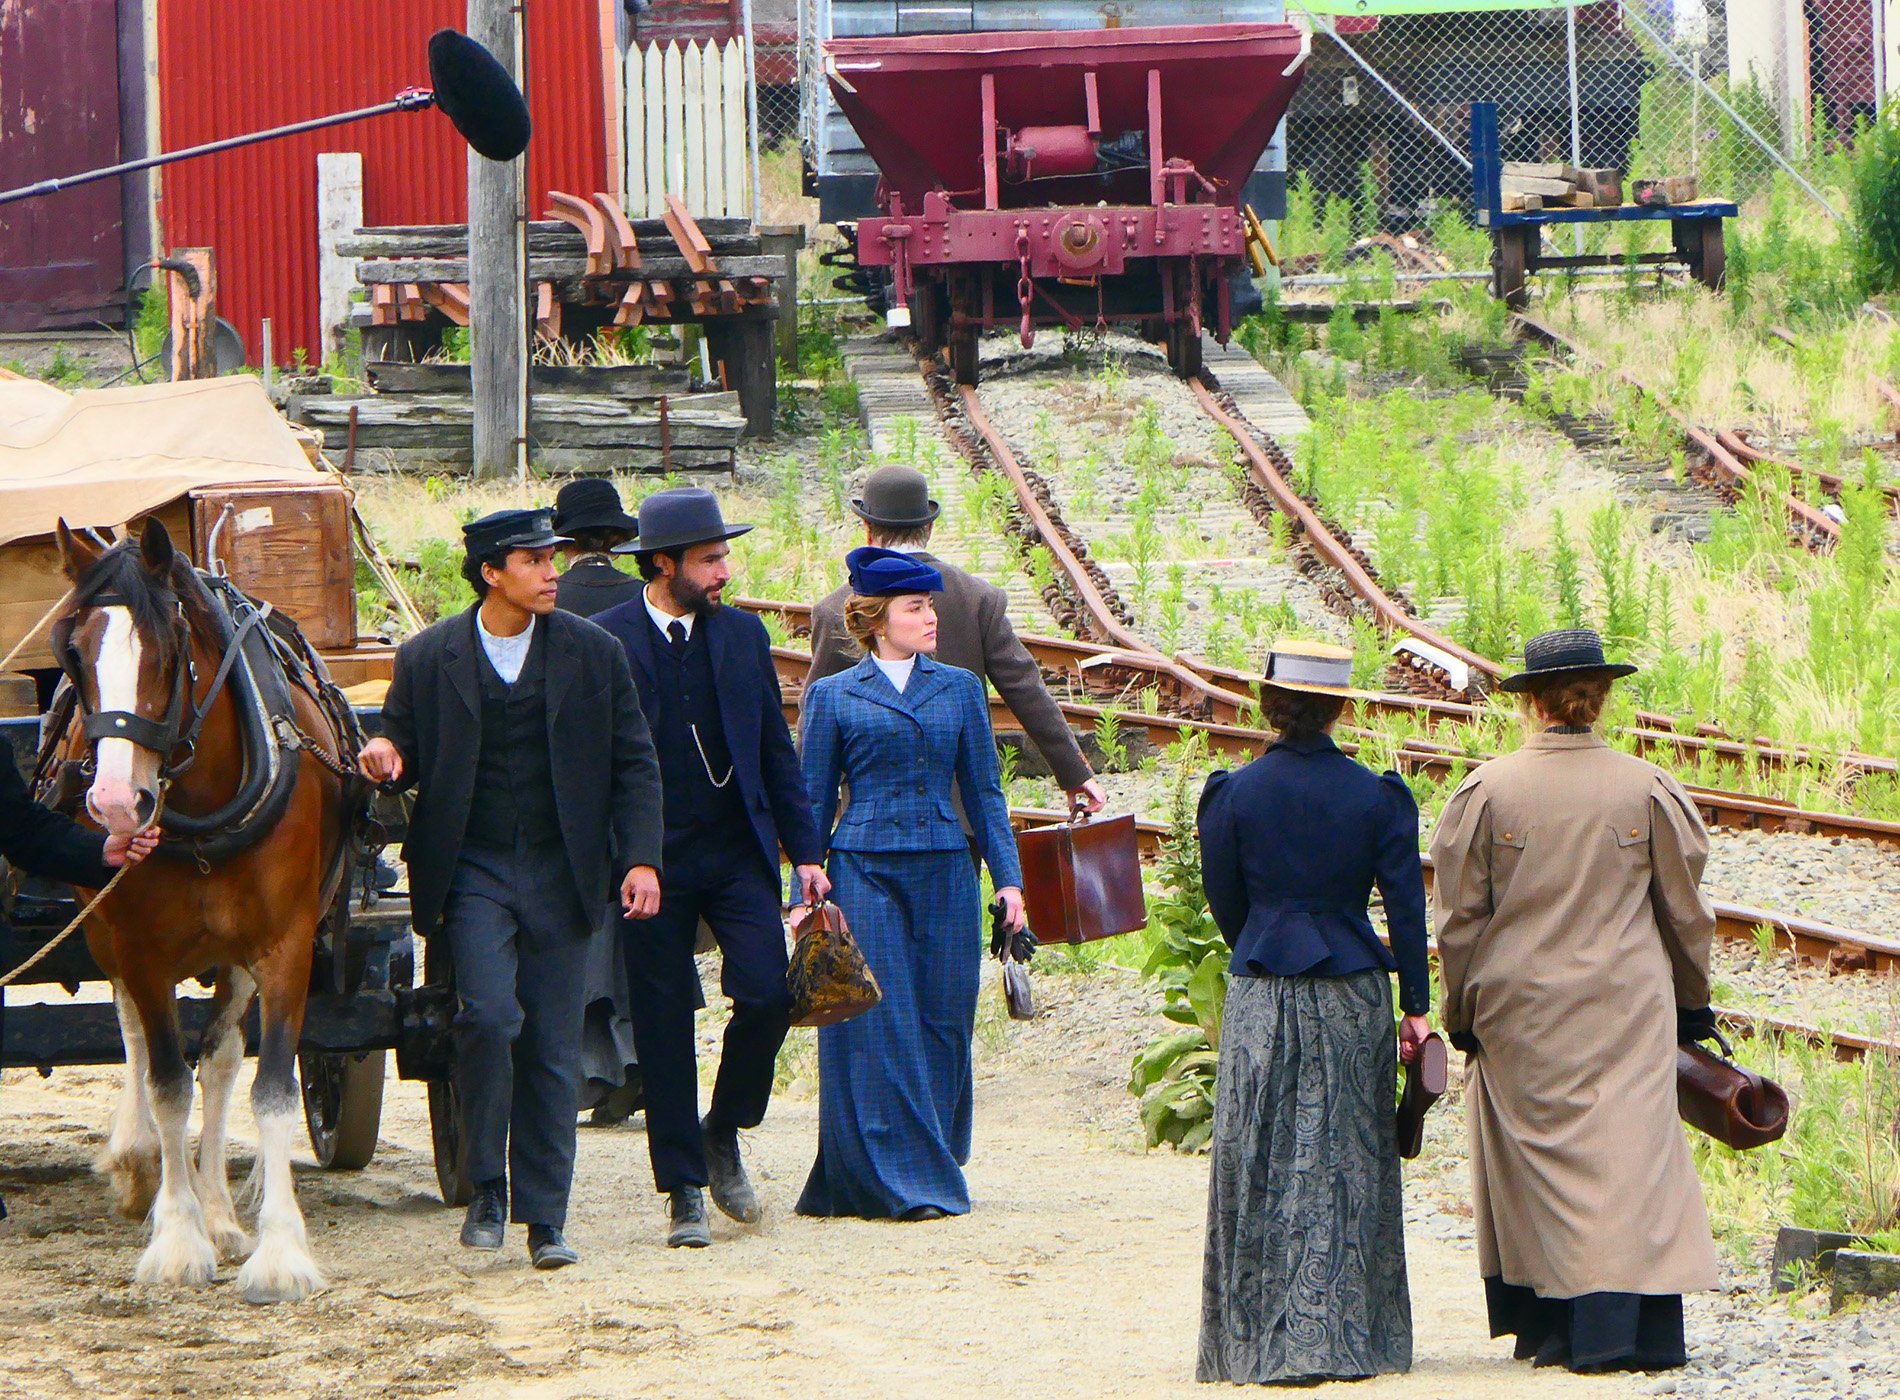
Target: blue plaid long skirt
x=895 y=1089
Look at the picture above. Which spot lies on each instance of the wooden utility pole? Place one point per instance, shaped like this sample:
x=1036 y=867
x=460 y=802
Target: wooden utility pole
x=497 y=272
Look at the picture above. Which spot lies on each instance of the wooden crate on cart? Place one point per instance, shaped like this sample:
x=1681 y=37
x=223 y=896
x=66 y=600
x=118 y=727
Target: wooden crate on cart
x=289 y=545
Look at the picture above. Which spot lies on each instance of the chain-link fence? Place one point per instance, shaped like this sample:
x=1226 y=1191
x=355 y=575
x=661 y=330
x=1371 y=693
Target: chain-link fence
x=1726 y=91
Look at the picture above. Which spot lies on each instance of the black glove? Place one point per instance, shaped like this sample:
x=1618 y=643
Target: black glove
x=1465 y=1041
x=1022 y=945
x=1695 y=1023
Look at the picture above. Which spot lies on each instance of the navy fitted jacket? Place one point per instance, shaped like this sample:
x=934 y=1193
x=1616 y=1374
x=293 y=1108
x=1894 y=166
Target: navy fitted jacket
x=752 y=712
x=1291 y=847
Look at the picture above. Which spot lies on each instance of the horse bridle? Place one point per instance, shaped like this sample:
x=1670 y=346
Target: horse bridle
x=164 y=737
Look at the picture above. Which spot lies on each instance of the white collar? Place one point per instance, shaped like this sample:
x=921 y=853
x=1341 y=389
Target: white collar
x=663 y=620
x=492 y=643
x=896 y=672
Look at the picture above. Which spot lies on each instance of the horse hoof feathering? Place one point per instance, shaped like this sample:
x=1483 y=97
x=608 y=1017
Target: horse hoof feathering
x=167 y=725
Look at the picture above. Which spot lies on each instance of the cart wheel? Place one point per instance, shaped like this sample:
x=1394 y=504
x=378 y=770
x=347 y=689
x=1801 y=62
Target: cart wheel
x=965 y=359
x=451 y=1152
x=342 y=1106
x=926 y=317
x=1510 y=264
x=445 y=1105
x=1181 y=335
x=1184 y=350
x=1711 y=263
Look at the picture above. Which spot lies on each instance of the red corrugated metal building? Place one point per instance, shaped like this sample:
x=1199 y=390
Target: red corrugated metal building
x=227 y=68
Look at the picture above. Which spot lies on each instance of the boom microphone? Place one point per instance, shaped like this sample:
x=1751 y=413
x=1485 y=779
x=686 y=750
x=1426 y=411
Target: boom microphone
x=475 y=92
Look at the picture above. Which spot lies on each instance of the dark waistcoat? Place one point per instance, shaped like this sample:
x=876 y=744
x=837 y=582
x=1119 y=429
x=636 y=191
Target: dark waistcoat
x=514 y=777
x=687 y=701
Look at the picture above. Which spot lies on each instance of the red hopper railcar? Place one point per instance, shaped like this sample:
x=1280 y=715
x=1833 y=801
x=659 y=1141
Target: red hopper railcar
x=1067 y=178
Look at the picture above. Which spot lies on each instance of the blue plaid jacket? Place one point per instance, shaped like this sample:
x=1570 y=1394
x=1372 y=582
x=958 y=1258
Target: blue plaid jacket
x=901 y=753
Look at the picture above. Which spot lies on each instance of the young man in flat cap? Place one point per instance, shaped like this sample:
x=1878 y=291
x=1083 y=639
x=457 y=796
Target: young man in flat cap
x=735 y=795
x=973 y=628
x=537 y=794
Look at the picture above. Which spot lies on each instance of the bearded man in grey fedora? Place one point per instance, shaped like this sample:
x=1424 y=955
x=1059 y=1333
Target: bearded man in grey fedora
x=973 y=627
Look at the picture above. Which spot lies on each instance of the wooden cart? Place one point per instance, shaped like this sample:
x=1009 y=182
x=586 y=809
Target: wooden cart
x=1517 y=238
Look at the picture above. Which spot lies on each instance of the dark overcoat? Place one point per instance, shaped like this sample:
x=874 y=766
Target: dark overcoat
x=593 y=586
x=44 y=842
x=974 y=633
x=752 y=711
x=606 y=778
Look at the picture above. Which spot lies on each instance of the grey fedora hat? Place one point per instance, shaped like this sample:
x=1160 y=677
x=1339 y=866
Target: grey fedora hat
x=897 y=497
x=1573 y=652
x=682 y=516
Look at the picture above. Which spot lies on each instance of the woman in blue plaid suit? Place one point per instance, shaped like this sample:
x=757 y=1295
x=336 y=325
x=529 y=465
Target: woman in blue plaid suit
x=894 y=1085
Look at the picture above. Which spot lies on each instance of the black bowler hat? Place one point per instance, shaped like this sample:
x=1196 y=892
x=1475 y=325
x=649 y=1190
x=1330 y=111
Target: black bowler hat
x=591 y=503
x=685 y=515
x=1576 y=651
x=897 y=498
x=511 y=529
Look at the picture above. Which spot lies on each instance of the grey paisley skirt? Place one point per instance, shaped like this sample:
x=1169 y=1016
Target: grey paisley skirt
x=1305 y=1271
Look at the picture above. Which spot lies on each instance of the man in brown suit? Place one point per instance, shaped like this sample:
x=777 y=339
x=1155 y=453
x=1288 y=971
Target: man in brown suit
x=973 y=628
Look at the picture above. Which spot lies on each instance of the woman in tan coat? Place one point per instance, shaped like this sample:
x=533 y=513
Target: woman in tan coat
x=1574 y=941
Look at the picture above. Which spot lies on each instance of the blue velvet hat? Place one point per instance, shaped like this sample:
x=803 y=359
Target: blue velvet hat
x=883 y=573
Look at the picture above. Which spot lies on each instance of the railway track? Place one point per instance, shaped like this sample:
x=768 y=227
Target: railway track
x=1806 y=938
x=1720 y=808
x=1206 y=701
x=1808 y=524
x=1121 y=658
x=1426 y=661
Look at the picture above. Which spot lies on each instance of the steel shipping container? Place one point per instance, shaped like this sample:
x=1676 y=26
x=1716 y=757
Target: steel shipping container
x=230 y=68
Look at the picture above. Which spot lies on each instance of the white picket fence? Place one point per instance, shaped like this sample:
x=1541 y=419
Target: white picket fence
x=685 y=124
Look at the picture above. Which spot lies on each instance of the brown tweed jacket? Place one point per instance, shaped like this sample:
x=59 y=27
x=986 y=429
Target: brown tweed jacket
x=973 y=632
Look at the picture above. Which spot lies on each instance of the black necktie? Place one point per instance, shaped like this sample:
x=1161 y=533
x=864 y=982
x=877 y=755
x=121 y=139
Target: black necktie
x=676 y=633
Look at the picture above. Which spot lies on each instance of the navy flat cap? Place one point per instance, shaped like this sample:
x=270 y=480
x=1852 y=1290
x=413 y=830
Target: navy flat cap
x=882 y=573
x=511 y=529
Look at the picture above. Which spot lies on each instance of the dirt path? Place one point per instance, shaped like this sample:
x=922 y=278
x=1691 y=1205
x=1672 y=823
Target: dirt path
x=1076 y=1275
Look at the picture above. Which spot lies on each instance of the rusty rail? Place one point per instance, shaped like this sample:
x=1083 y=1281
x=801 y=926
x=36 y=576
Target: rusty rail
x=1266 y=474
x=1806 y=937
x=1814 y=529
x=1719 y=808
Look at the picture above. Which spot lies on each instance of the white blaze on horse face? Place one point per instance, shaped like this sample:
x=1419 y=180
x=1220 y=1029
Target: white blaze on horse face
x=113 y=798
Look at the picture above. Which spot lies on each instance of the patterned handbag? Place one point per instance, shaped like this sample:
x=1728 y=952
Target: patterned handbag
x=828 y=978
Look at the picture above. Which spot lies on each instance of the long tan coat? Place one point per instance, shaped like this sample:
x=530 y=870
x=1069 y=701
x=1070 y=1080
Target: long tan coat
x=1571 y=925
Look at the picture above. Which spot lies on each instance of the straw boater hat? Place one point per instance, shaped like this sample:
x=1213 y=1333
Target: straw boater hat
x=1571 y=654
x=1310 y=668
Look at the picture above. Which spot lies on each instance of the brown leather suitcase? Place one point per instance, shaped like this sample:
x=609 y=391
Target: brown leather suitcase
x=1731 y=1104
x=1082 y=880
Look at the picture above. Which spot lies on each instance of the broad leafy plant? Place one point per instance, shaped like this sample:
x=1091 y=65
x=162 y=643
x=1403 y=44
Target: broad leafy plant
x=1174 y=1074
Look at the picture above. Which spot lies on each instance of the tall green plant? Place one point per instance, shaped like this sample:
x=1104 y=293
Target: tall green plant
x=1874 y=202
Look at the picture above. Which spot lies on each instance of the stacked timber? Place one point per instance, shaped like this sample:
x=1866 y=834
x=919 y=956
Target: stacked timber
x=593 y=255
x=1528 y=186
x=590 y=267
x=587 y=419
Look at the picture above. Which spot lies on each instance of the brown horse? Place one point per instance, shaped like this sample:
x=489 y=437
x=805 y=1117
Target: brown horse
x=255 y=826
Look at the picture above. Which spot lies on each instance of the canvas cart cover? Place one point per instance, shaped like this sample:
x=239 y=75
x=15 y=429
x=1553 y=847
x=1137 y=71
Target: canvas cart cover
x=103 y=457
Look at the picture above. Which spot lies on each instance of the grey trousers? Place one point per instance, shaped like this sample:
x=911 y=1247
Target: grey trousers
x=519 y=936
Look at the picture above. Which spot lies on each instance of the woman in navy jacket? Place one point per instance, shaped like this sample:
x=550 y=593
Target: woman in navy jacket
x=1305 y=1267
x=900 y=730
